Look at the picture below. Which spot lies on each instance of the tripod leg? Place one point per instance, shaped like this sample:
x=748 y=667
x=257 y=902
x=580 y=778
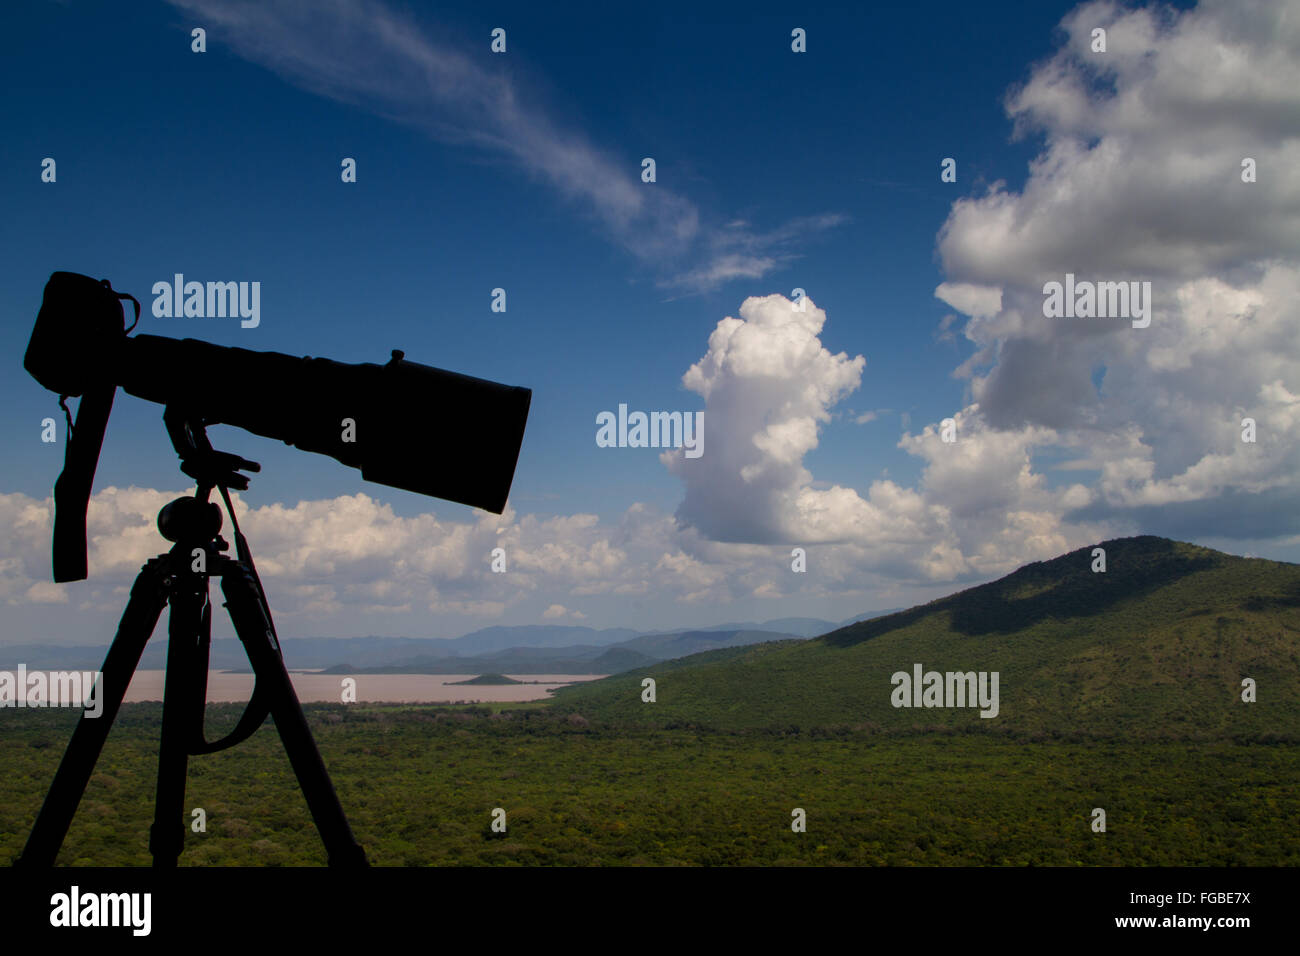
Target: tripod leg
x=148 y=597
x=247 y=612
x=183 y=686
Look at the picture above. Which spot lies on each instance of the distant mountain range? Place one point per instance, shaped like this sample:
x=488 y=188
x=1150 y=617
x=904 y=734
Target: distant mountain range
x=1157 y=645
x=577 y=658
x=524 y=649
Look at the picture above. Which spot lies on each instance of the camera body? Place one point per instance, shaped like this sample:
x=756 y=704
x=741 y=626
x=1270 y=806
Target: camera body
x=79 y=328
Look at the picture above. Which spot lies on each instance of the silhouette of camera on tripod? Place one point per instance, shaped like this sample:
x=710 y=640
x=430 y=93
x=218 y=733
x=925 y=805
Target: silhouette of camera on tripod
x=378 y=418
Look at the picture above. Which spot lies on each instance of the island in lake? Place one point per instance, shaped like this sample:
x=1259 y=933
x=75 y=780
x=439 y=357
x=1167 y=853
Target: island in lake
x=487 y=679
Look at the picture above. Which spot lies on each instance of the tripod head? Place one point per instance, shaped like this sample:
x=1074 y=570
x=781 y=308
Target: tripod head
x=207 y=466
x=195 y=520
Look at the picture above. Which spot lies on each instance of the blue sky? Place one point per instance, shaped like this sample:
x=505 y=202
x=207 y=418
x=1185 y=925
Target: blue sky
x=204 y=164
x=521 y=170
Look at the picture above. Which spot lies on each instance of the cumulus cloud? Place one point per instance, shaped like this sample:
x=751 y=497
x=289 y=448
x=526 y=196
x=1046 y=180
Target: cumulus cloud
x=1140 y=178
x=351 y=565
x=769 y=386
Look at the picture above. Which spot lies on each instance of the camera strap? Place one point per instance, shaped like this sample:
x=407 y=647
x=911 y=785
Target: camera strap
x=259 y=706
x=63 y=399
x=124 y=295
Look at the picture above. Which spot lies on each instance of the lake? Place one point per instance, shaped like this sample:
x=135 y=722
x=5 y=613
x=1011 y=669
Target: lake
x=225 y=687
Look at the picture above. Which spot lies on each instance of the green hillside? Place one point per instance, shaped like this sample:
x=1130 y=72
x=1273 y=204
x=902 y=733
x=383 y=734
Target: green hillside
x=1154 y=647
x=1118 y=691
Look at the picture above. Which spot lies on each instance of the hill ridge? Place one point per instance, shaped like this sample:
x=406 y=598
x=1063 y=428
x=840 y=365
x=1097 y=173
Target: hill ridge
x=1156 y=645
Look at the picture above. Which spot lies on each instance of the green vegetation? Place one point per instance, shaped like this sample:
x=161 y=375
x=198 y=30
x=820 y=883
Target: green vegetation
x=1154 y=648
x=419 y=786
x=1118 y=690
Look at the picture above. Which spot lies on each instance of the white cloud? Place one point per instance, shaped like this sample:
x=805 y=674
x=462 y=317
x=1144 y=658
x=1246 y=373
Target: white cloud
x=769 y=386
x=737 y=251
x=1139 y=178
x=976 y=300
x=557 y=611
x=47 y=592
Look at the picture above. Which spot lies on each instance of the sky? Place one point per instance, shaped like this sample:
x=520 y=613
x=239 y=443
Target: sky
x=775 y=170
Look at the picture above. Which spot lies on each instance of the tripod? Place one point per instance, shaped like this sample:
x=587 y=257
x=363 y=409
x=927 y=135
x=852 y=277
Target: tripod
x=179 y=579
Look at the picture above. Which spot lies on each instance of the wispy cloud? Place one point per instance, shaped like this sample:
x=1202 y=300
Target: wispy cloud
x=737 y=251
x=364 y=53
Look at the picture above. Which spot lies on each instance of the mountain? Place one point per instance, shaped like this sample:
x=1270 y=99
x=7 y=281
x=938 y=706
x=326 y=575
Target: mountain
x=578 y=659
x=865 y=616
x=489 y=679
x=615 y=660
x=667 y=646
x=227 y=653
x=516 y=660
x=500 y=638
x=1157 y=645
x=797 y=626
x=417 y=655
